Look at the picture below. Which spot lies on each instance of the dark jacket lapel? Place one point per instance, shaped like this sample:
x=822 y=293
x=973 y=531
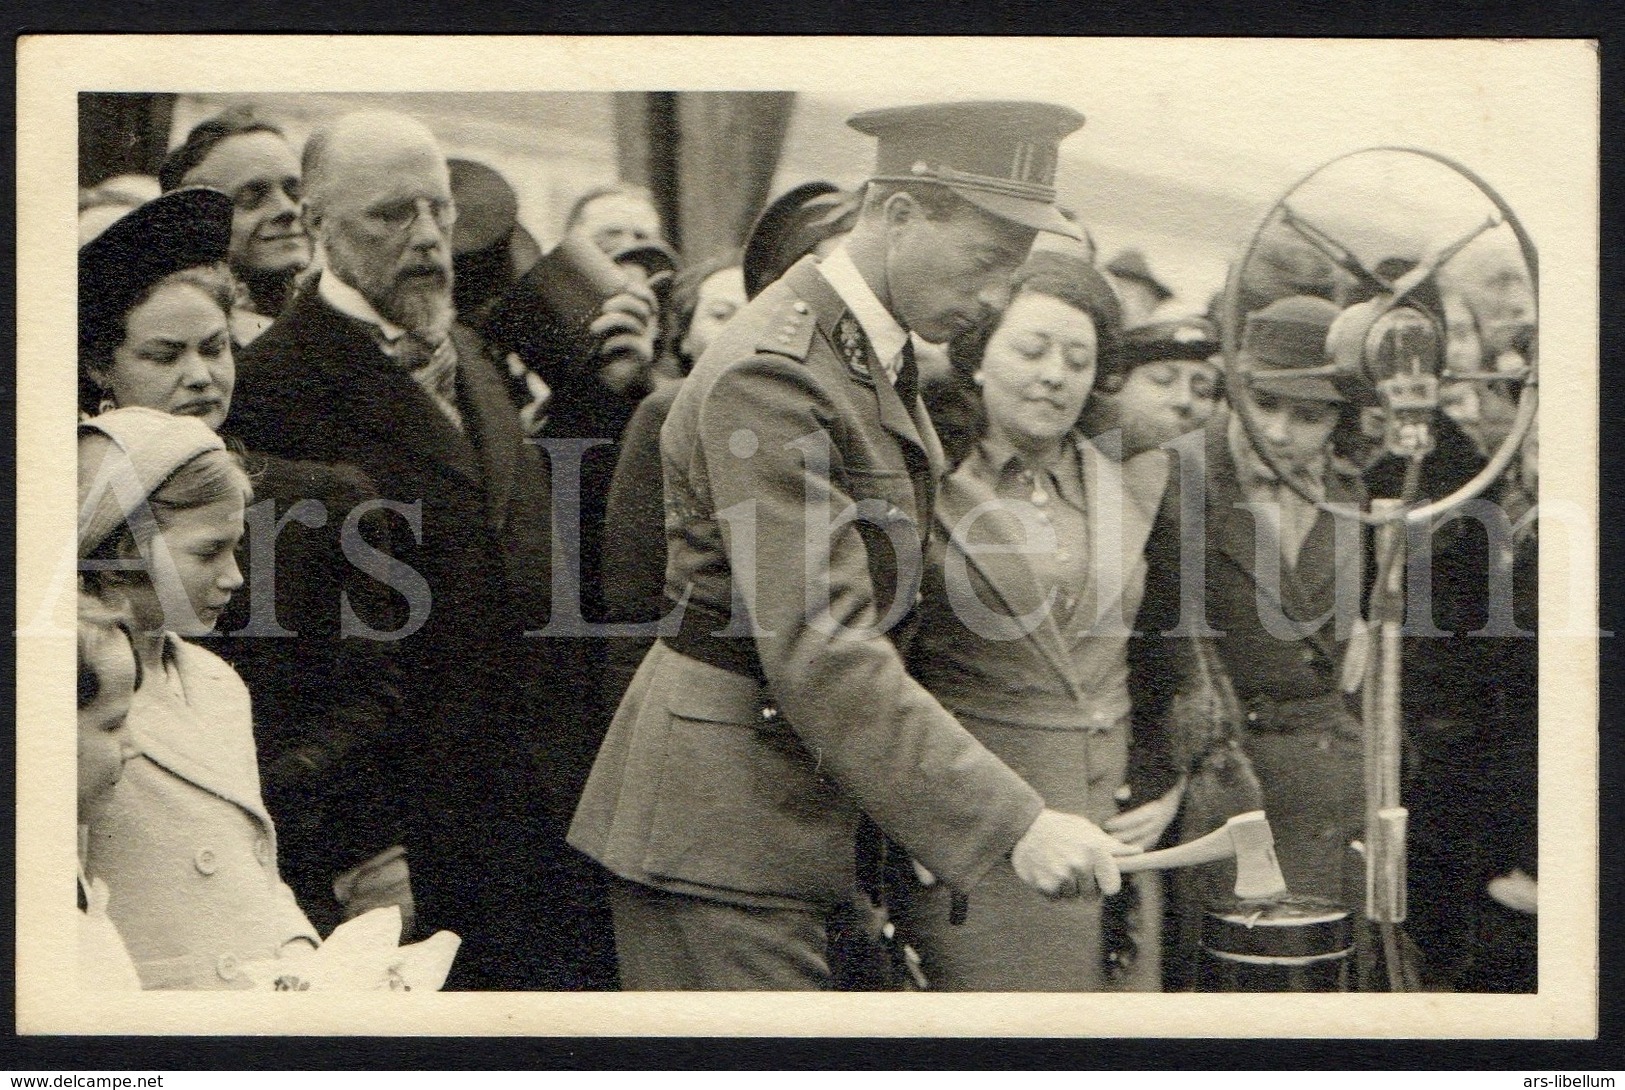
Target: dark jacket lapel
x=379 y=394
x=491 y=419
x=1303 y=588
x=1229 y=527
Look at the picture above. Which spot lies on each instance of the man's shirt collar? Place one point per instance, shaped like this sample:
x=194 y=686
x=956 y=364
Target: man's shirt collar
x=352 y=304
x=886 y=335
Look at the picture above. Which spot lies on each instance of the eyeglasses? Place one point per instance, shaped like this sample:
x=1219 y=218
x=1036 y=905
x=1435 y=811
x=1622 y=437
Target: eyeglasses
x=400 y=215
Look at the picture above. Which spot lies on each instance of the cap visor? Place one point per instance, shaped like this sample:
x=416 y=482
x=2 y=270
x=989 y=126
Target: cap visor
x=1304 y=389
x=1039 y=215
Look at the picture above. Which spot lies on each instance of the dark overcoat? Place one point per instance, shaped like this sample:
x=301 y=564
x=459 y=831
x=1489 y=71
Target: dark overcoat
x=1283 y=641
x=497 y=721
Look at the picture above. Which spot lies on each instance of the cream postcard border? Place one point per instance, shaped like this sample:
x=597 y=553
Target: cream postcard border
x=1557 y=195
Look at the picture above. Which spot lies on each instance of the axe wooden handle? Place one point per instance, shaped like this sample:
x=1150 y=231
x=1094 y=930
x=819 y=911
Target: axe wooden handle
x=1219 y=844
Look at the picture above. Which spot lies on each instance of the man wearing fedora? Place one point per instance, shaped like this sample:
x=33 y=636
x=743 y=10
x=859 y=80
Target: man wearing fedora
x=777 y=716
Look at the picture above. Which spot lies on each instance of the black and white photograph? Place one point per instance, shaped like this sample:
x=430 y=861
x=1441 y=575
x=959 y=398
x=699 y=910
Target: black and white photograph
x=833 y=522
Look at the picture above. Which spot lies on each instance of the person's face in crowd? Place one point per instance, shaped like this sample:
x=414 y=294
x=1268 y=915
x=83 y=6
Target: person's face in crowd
x=386 y=222
x=105 y=740
x=1463 y=347
x=1037 y=371
x=1295 y=429
x=618 y=220
x=259 y=172
x=945 y=276
x=1138 y=298
x=175 y=356
x=187 y=591
x=721 y=296
x=1165 y=399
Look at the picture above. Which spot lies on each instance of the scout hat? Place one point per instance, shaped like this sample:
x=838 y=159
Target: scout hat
x=1130 y=265
x=1290 y=333
x=1000 y=156
x=790 y=227
x=1193 y=338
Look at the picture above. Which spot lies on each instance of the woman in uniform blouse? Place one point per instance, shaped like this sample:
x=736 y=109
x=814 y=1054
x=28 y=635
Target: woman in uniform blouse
x=1033 y=584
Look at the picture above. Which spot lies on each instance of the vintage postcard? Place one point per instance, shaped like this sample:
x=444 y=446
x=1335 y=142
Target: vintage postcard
x=635 y=516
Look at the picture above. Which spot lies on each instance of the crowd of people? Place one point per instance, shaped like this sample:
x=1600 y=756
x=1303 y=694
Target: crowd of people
x=812 y=615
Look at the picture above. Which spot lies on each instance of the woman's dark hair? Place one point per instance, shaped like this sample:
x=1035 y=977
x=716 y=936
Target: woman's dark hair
x=685 y=298
x=1060 y=276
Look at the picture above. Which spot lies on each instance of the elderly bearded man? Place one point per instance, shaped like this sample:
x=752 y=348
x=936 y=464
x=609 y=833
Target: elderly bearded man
x=728 y=795
x=370 y=368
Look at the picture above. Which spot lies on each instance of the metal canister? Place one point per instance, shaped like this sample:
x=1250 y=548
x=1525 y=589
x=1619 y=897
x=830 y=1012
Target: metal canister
x=1290 y=943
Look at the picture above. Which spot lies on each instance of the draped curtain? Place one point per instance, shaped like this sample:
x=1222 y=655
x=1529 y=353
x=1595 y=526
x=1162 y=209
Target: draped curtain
x=707 y=156
x=122 y=134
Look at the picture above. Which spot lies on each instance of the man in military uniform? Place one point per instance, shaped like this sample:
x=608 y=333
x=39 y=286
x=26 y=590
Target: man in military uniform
x=799 y=469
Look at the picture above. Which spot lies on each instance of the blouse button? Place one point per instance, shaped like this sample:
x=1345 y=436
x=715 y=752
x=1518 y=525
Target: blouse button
x=226 y=966
x=262 y=850
x=204 y=861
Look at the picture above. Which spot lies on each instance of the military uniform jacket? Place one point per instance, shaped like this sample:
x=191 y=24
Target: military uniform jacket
x=798 y=488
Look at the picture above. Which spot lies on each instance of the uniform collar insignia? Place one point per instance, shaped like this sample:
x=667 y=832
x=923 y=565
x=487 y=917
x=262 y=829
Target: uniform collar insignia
x=854 y=348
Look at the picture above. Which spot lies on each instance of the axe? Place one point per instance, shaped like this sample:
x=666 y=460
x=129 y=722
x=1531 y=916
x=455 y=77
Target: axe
x=1245 y=837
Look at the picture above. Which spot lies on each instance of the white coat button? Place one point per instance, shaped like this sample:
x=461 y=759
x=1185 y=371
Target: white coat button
x=262 y=850
x=799 y=307
x=204 y=861
x=226 y=967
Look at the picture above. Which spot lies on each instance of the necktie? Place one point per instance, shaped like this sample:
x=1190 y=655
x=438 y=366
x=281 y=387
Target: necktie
x=434 y=366
x=908 y=376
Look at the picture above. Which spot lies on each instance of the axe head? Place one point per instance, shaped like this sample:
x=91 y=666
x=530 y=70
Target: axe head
x=1258 y=874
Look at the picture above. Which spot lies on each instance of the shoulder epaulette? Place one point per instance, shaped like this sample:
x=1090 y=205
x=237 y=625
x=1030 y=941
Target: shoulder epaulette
x=791 y=331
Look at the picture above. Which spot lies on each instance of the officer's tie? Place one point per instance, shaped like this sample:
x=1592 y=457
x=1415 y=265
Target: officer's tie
x=908 y=376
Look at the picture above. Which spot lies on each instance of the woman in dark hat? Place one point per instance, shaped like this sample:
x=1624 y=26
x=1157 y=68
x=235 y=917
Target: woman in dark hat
x=155 y=300
x=1169 y=385
x=1039 y=520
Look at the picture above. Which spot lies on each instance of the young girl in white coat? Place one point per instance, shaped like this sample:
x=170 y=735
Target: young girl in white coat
x=184 y=843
